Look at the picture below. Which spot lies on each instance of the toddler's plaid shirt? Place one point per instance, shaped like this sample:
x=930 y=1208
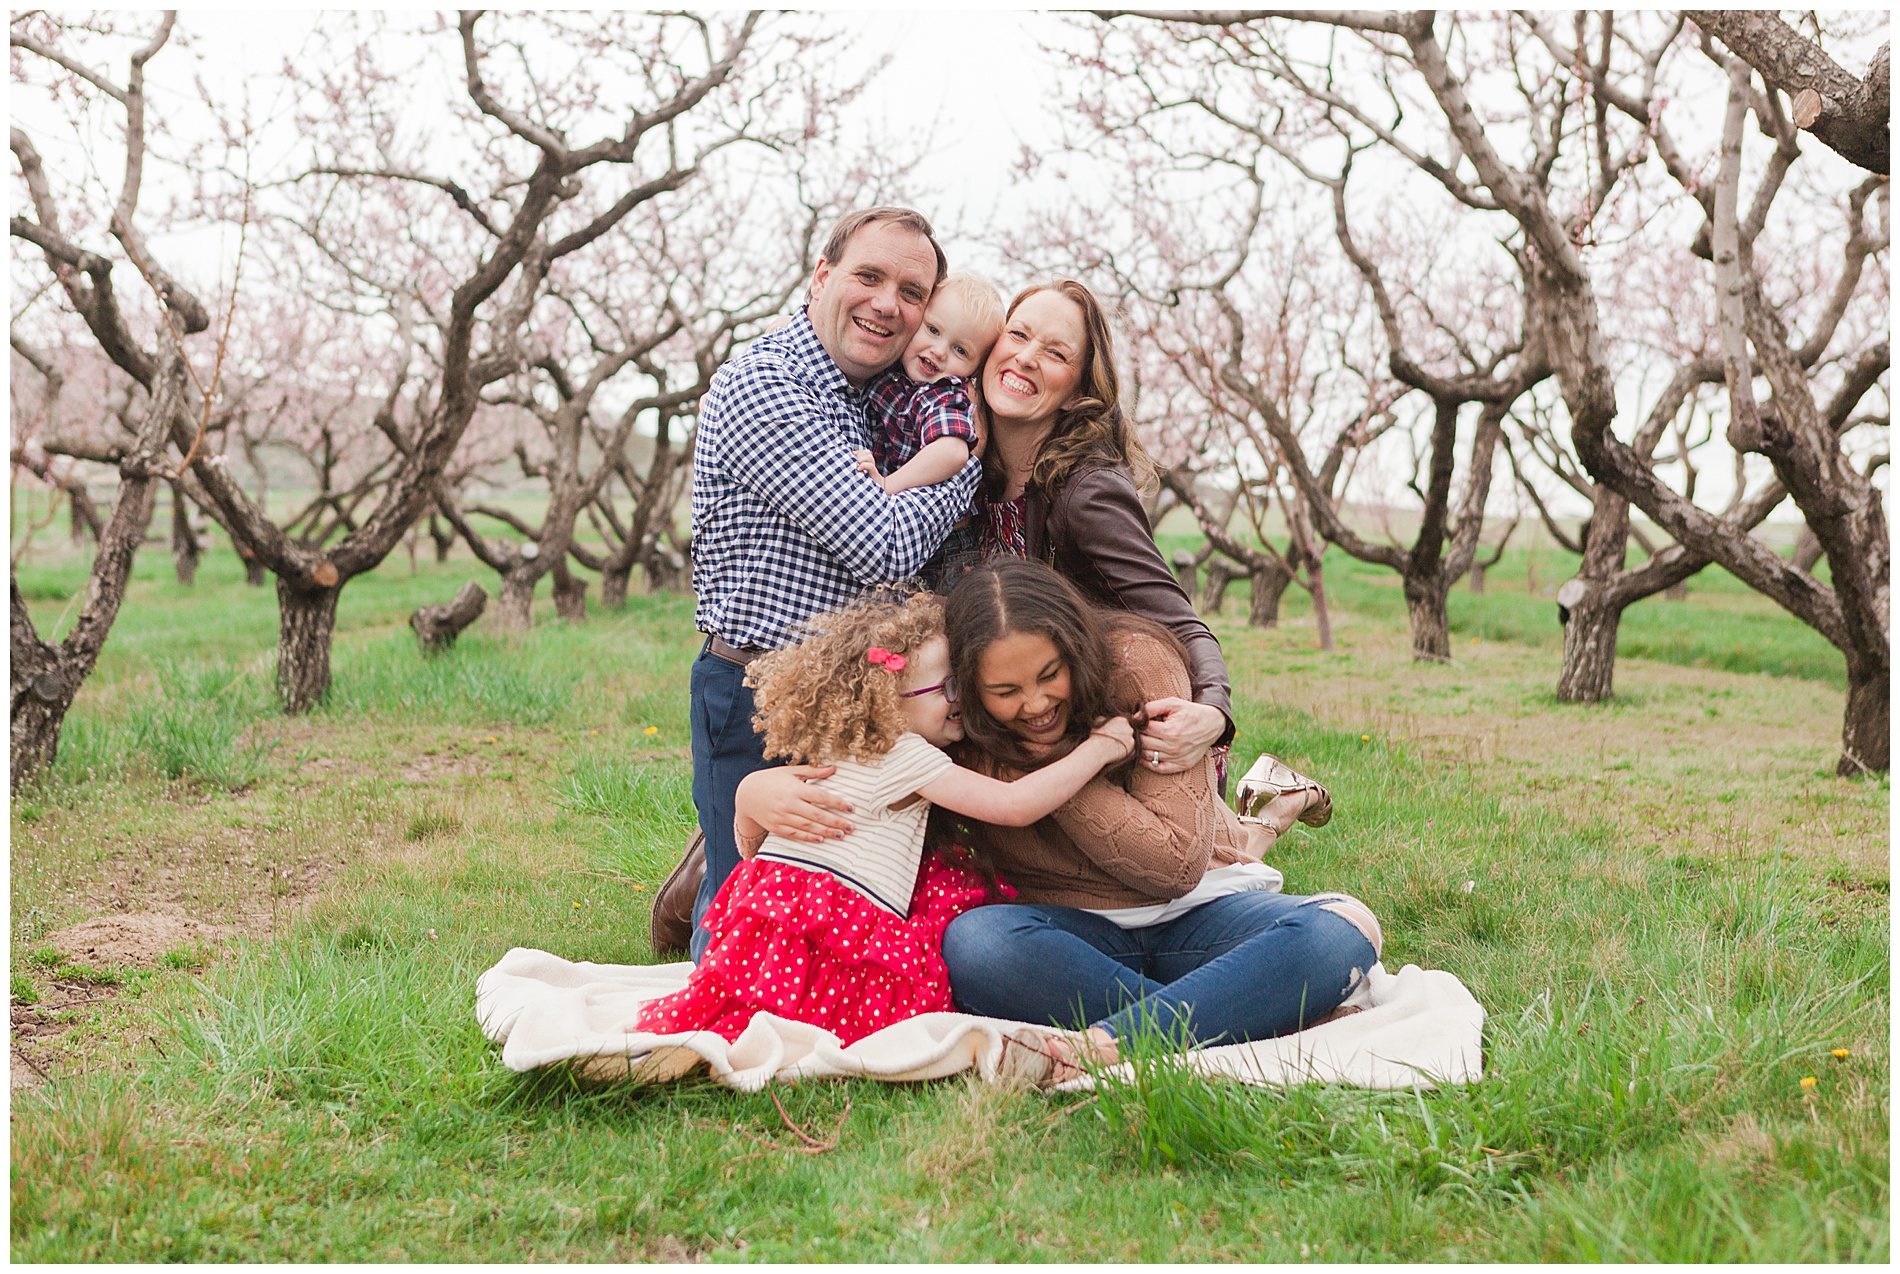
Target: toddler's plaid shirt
x=784 y=527
x=904 y=417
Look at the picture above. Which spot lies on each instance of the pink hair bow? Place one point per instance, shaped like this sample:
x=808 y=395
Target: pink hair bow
x=885 y=659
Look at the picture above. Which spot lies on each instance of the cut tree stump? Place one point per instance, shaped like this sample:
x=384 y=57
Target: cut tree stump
x=438 y=626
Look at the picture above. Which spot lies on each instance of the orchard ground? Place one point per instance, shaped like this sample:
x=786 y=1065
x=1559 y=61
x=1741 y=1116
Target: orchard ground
x=243 y=953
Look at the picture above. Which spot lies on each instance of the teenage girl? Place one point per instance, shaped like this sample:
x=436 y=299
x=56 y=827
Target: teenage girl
x=847 y=934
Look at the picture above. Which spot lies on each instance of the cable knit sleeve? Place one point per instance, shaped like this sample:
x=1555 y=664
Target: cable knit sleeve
x=1104 y=545
x=1152 y=832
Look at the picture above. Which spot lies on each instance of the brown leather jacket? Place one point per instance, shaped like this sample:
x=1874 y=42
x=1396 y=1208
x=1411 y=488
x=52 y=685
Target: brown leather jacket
x=1095 y=533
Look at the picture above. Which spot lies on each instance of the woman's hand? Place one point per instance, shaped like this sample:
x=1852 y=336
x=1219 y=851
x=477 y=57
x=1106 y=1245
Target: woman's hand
x=1178 y=734
x=1118 y=732
x=780 y=800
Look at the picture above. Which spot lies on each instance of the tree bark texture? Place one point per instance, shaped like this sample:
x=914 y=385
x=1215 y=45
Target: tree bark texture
x=570 y=594
x=1322 y=609
x=42 y=677
x=1866 y=732
x=1219 y=576
x=514 y=607
x=613 y=587
x=185 y=546
x=1590 y=628
x=1186 y=565
x=85 y=517
x=443 y=538
x=438 y=626
x=666 y=568
x=306 y=623
x=1851 y=113
x=1431 y=623
x=1268 y=582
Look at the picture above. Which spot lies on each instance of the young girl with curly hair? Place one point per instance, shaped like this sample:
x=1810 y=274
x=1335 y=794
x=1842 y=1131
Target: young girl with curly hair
x=847 y=934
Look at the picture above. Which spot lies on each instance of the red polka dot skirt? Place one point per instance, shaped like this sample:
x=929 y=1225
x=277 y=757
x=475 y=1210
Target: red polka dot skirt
x=801 y=945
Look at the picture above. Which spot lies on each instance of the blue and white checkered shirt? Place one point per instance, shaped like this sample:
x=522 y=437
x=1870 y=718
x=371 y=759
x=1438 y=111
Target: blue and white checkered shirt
x=784 y=526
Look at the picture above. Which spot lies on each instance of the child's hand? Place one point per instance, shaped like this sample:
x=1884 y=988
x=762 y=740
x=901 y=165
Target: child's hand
x=867 y=465
x=1118 y=732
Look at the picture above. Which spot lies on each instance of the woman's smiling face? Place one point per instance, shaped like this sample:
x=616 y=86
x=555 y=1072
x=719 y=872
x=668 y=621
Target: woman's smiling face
x=1024 y=684
x=1036 y=364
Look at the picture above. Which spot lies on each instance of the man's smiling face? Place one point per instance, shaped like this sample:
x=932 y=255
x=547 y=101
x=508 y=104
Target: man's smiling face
x=866 y=305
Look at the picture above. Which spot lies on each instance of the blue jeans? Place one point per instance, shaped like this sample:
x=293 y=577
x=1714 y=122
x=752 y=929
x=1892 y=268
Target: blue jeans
x=725 y=750
x=1244 y=967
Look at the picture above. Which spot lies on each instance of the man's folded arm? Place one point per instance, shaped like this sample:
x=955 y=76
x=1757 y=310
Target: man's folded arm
x=794 y=461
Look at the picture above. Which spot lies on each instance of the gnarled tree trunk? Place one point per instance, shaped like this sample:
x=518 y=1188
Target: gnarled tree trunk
x=613 y=586
x=1866 y=732
x=443 y=538
x=514 y=606
x=42 y=677
x=306 y=623
x=185 y=546
x=570 y=594
x=1591 y=615
x=1214 y=592
x=1431 y=624
x=1268 y=581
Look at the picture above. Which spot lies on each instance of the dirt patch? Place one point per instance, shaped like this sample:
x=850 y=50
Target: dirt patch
x=431 y=766
x=140 y=940
x=36 y=1026
x=108 y=944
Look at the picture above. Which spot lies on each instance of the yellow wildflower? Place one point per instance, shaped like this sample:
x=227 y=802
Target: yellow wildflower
x=1808 y=1082
x=653 y=729
x=1840 y=1052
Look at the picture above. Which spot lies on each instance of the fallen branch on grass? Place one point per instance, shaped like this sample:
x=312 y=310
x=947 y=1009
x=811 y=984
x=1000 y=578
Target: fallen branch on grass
x=438 y=626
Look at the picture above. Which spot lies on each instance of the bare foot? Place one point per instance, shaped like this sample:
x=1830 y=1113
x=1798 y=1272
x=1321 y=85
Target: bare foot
x=1072 y=1054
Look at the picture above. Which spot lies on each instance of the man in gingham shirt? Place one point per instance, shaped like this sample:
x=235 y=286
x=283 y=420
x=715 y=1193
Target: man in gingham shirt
x=784 y=526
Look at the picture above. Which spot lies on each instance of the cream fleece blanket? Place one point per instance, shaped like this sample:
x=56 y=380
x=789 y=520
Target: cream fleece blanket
x=1417 y=1028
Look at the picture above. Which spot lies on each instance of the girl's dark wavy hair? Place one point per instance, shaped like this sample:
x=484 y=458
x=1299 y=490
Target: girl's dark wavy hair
x=1013 y=595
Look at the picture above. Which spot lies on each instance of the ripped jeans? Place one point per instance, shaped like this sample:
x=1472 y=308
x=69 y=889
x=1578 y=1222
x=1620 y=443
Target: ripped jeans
x=1244 y=967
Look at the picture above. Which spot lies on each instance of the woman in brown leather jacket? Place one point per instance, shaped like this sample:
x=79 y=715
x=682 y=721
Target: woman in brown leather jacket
x=1061 y=488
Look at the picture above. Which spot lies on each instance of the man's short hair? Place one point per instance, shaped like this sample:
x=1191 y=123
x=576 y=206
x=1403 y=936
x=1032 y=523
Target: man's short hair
x=852 y=222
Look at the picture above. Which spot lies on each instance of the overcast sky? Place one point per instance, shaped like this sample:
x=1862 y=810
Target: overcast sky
x=972 y=90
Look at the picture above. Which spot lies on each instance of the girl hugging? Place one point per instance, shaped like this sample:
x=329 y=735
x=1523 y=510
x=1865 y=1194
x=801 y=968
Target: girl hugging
x=847 y=934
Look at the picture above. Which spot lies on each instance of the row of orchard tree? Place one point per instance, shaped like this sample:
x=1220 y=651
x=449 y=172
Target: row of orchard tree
x=501 y=239
x=1615 y=248
x=1625 y=251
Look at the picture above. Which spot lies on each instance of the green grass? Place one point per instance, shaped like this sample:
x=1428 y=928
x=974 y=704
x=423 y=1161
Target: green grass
x=1722 y=624
x=324 y=1093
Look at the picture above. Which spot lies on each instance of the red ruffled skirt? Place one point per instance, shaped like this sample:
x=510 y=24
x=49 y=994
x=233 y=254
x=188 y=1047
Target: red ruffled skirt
x=801 y=945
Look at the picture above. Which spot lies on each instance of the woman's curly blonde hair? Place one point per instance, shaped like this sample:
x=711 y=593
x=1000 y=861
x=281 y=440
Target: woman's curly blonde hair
x=822 y=700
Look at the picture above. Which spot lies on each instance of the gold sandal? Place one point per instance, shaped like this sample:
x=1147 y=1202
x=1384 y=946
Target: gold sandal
x=1269 y=780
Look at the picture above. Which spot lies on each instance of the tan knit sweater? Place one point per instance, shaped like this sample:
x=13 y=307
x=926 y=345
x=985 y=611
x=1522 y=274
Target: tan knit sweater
x=1141 y=839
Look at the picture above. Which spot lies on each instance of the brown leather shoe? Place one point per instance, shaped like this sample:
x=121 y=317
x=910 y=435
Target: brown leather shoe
x=671 y=923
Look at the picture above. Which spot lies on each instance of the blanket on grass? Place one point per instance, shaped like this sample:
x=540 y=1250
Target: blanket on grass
x=1417 y=1027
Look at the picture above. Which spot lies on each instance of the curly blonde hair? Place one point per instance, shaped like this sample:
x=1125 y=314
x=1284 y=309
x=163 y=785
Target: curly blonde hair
x=822 y=700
